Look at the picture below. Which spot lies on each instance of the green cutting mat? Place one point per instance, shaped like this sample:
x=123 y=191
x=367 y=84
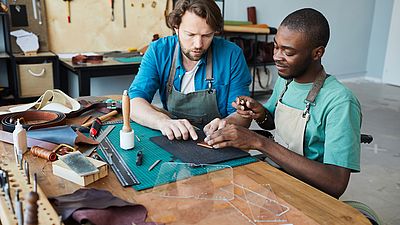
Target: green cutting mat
x=151 y=153
x=129 y=59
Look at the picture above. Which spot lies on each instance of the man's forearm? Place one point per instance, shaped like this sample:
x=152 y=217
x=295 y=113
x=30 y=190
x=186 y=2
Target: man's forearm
x=328 y=178
x=144 y=113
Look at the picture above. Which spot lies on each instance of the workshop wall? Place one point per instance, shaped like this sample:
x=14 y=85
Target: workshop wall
x=91 y=28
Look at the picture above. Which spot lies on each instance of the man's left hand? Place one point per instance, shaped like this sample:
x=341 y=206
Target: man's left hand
x=233 y=136
x=214 y=125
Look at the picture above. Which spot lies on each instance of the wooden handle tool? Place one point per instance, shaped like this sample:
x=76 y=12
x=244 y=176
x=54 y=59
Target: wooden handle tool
x=101 y=118
x=126 y=112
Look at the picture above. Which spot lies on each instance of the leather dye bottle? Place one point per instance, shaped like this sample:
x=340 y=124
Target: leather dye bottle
x=20 y=139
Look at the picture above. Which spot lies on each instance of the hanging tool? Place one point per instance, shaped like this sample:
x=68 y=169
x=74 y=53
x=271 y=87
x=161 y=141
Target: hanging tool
x=112 y=9
x=39 y=11
x=124 y=12
x=34 y=9
x=68 y=10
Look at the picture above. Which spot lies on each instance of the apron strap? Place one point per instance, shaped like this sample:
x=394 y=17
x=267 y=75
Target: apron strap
x=172 y=72
x=312 y=94
x=284 y=90
x=209 y=70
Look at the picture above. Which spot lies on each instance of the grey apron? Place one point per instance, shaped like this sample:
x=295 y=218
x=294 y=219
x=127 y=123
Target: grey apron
x=199 y=107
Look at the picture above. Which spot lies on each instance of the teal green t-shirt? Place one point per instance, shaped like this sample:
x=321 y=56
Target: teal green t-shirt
x=333 y=131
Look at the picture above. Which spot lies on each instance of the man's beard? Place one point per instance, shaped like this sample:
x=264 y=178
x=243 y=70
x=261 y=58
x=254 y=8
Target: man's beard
x=298 y=72
x=186 y=52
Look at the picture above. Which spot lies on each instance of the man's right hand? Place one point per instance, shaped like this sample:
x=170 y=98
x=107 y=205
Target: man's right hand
x=177 y=129
x=251 y=109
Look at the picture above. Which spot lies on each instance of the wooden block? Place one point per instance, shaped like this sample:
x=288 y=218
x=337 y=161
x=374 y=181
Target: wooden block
x=62 y=170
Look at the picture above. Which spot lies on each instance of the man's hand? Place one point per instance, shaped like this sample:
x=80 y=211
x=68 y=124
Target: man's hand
x=214 y=125
x=177 y=129
x=249 y=108
x=233 y=136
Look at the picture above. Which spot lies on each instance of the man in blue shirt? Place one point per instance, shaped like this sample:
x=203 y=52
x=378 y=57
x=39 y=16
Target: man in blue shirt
x=197 y=75
x=316 y=119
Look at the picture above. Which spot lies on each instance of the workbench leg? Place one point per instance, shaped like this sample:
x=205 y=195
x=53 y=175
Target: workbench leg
x=64 y=79
x=84 y=84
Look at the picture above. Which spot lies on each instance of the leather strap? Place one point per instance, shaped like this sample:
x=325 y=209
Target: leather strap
x=99 y=106
x=33 y=119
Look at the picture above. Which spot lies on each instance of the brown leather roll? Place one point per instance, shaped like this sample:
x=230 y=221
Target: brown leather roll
x=33 y=119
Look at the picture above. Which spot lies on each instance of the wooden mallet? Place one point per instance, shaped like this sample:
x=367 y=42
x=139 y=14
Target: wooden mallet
x=126 y=134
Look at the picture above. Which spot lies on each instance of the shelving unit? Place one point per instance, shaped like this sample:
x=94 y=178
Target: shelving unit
x=255 y=33
x=14 y=60
x=6 y=59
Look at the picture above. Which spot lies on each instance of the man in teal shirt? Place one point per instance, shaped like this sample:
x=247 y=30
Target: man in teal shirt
x=316 y=119
x=197 y=75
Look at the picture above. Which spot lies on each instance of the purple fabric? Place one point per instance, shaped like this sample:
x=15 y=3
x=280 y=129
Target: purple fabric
x=99 y=207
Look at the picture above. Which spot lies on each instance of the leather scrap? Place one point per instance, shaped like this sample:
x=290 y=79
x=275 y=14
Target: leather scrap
x=99 y=207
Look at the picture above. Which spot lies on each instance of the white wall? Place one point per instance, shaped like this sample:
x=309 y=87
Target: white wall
x=391 y=65
x=359 y=31
x=350 y=23
x=378 y=40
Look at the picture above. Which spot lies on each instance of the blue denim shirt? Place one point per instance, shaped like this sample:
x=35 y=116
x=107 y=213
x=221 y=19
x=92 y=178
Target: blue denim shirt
x=231 y=76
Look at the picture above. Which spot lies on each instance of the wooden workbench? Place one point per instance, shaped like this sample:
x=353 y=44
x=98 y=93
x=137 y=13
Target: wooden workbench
x=307 y=204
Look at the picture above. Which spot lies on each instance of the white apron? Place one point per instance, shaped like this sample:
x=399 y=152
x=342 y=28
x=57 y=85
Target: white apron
x=290 y=123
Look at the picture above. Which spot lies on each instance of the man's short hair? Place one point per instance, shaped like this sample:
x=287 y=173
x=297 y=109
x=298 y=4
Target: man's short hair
x=310 y=22
x=206 y=9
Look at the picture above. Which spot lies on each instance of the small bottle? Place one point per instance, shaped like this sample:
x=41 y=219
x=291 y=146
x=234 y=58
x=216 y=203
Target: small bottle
x=20 y=139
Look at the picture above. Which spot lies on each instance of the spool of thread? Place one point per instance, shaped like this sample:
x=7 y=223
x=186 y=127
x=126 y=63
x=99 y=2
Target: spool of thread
x=43 y=153
x=251 y=14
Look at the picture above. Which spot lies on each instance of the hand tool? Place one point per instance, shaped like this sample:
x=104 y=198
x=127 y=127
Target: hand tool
x=34 y=182
x=6 y=190
x=103 y=134
x=34 y=9
x=154 y=164
x=95 y=128
x=18 y=209
x=68 y=10
x=126 y=134
x=139 y=158
x=39 y=10
x=112 y=9
x=124 y=12
x=28 y=176
x=101 y=118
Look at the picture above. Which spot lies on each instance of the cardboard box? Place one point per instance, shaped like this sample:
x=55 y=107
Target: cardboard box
x=62 y=170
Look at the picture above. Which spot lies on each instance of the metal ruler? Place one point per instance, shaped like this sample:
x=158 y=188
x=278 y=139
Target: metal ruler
x=125 y=175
